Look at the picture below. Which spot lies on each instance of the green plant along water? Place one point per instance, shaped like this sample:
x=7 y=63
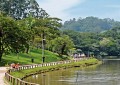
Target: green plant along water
x=107 y=73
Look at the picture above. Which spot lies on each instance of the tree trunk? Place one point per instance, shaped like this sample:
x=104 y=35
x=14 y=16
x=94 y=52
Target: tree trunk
x=0 y=57
x=1 y=53
x=63 y=48
x=1 y=49
x=27 y=49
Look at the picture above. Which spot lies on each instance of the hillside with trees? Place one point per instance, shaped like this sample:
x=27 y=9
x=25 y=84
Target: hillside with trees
x=24 y=26
x=98 y=44
x=90 y=24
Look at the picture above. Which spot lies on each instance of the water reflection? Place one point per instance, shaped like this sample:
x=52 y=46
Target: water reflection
x=106 y=74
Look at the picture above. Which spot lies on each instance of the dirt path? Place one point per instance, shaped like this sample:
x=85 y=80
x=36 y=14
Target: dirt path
x=2 y=74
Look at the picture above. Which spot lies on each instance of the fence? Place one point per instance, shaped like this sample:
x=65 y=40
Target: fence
x=18 y=81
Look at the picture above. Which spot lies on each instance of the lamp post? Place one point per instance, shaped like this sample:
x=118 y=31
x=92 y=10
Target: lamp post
x=43 y=57
x=43 y=42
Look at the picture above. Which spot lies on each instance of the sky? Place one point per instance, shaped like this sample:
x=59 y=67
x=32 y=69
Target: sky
x=69 y=9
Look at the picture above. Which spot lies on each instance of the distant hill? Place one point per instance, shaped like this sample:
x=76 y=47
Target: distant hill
x=90 y=24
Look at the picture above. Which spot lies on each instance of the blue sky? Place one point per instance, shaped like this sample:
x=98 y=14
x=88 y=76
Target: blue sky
x=68 y=9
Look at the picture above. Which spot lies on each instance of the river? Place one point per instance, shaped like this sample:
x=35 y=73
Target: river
x=107 y=73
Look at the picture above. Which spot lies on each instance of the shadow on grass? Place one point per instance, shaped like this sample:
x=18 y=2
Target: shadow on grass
x=36 y=51
x=63 y=57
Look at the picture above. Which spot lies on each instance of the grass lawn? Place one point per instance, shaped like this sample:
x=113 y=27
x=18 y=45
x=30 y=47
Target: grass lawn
x=24 y=58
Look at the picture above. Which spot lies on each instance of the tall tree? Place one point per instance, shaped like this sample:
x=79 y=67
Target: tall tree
x=62 y=44
x=12 y=37
x=19 y=9
x=49 y=27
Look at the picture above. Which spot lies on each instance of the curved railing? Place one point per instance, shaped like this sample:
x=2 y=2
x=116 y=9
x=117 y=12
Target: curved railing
x=17 y=81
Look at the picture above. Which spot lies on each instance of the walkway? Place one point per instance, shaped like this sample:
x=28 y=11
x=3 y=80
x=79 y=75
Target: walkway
x=2 y=74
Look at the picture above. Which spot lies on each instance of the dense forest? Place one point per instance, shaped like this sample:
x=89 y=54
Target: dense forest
x=98 y=44
x=94 y=36
x=90 y=24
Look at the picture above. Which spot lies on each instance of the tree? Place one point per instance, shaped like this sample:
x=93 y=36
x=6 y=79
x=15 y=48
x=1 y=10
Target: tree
x=47 y=27
x=110 y=41
x=62 y=44
x=12 y=37
x=29 y=27
x=19 y=9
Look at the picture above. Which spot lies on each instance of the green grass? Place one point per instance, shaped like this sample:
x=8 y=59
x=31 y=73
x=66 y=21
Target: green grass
x=82 y=63
x=25 y=58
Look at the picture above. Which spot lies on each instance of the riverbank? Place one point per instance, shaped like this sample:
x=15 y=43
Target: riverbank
x=83 y=63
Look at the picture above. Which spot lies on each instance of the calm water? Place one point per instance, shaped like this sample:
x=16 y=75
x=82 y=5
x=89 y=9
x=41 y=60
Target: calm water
x=106 y=74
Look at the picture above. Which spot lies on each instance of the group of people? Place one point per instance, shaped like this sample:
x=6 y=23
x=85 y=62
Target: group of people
x=13 y=65
x=82 y=55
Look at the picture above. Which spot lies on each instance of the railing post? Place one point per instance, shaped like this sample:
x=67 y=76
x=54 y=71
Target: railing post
x=17 y=81
x=14 y=81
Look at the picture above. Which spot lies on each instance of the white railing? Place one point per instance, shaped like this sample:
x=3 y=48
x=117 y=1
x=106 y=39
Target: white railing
x=18 y=81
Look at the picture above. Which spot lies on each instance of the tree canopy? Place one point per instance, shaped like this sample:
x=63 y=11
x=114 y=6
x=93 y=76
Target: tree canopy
x=90 y=24
x=12 y=37
x=106 y=43
x=19 y=9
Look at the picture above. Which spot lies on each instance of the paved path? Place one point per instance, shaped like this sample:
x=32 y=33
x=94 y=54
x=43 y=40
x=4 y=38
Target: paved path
x=2 y=74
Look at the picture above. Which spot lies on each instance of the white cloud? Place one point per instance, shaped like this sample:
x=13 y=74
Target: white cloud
x=57 y=8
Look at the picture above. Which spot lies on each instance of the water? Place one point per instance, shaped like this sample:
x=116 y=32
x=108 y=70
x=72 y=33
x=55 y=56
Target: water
x=106 y=74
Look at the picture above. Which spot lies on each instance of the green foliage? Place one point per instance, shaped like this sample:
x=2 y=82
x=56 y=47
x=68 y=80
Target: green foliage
x=61 y=44
x=90 y=24
x=12 y=38
x=110 y=42
x=19 y=9
x=24 y=58
x=82 y=38
x=26 y=28
x=106 y=43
